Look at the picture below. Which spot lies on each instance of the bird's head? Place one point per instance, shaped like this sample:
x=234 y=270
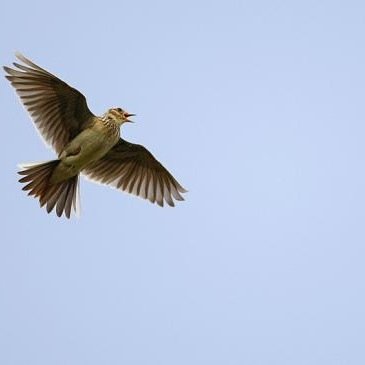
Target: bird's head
x=118 y=115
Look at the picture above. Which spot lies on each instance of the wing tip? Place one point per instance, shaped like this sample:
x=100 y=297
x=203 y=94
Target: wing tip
x=7 y=70
x=19 y=56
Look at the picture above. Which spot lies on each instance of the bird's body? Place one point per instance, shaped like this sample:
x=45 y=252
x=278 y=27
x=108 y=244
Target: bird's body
x=85 y=144
x=88 y=146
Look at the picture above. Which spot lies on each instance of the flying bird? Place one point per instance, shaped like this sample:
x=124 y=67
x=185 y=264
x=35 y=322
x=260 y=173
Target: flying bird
x=85 y=143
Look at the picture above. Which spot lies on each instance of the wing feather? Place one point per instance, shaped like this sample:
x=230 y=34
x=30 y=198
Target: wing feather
x=132 y=168
x=59 y=111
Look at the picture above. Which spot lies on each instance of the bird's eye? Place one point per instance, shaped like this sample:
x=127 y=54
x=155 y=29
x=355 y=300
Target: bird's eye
x=119 y=110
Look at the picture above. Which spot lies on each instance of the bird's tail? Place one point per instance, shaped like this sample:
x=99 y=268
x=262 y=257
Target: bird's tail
x=62 y=195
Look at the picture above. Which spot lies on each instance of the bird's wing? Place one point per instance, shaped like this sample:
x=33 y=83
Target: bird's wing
x=132 y=168
x=59 y=111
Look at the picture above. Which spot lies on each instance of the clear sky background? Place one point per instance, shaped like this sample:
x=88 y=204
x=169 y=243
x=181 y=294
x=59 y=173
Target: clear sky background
x=257 y=107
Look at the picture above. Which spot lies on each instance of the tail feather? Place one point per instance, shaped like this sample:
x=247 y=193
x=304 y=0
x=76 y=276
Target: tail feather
x=52 y=201
x=62 y=195
x=68 y=203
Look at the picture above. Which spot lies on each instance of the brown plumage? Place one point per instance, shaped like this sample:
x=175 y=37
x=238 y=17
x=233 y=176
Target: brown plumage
x=85 y=144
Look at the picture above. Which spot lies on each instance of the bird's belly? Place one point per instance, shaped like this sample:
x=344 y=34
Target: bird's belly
x=89 y=146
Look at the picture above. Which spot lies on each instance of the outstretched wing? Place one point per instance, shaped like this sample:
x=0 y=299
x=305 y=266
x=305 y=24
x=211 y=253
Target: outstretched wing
x=59 y=111
x=132 y=168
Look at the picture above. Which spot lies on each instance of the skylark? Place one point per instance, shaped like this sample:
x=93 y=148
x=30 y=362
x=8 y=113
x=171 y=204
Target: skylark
x=85 y=144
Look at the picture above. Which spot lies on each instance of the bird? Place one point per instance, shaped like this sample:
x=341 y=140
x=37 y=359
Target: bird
x=85 y=144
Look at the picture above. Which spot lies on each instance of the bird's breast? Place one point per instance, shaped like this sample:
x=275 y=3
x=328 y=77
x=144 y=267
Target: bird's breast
x=91 y=145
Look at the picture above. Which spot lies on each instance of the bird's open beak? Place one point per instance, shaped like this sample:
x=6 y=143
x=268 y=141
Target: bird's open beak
x=129 y=115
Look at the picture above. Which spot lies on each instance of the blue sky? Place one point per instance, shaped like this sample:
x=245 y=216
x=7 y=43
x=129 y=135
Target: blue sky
x=257 y=108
